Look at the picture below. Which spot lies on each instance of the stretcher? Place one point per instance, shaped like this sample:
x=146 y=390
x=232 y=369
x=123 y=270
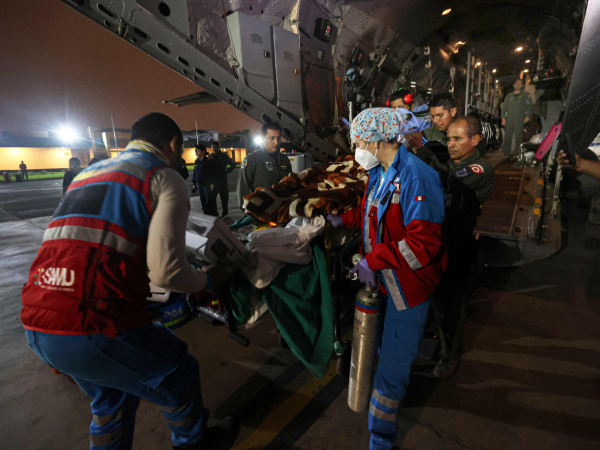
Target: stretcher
x=209 y=241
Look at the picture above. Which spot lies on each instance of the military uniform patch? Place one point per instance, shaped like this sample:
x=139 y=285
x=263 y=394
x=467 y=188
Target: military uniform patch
x=476 y=168
x=462 y=173
x=244 y=163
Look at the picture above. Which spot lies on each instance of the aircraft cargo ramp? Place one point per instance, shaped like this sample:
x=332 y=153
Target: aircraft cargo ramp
x=520 y=222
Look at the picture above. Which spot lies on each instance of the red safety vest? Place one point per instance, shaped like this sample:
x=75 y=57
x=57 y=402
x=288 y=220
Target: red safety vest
x=90 y=274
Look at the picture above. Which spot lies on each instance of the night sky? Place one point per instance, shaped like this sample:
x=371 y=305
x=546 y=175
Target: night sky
x=56 y=65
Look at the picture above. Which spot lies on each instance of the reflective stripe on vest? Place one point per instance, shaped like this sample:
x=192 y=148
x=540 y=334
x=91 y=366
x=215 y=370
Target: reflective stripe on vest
x=90 y=275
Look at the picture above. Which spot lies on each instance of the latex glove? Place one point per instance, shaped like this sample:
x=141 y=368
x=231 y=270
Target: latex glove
x=364 y=273
x=334 y=219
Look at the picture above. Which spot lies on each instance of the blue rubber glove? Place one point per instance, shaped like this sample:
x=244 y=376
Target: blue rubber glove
x=335 y=220
x=364 y=273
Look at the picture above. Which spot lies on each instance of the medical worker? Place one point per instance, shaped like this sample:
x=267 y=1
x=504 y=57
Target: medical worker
x=121 y=225
x=401 y=219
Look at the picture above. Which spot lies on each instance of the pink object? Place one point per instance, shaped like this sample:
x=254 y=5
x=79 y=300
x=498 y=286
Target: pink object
x=548 y=141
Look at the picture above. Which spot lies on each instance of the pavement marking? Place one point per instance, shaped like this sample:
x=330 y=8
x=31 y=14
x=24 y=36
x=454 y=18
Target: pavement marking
x=495 y=384
x=534 y=363
x=285 y=412
x=35 y=190
x=560 y=404
x=533 y=289
x=534 y=341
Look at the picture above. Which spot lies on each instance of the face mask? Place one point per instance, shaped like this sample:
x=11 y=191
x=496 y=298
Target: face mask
x=365 y=159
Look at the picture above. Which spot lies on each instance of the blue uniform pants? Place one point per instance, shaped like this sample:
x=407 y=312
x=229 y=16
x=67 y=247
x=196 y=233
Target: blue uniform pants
x=148 y=362
x=401 y=337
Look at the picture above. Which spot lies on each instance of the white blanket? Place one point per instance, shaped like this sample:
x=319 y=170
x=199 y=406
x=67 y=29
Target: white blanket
x=272 y=248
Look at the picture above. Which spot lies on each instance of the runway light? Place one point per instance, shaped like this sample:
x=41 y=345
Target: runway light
x=528 y=61
x=258 y=140
x=447 y=11
x=67 y=134
x=519 y=49
x=478 y=64
x=494 y=71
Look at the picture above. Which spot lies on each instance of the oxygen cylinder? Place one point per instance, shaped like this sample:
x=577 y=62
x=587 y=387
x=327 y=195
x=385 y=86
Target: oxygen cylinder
x=366 y=316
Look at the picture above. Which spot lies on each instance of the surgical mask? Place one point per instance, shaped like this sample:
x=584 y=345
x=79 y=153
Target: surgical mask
x=365 y=159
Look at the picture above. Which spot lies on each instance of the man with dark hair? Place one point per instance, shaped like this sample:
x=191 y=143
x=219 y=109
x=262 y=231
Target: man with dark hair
x=402 y=98
x=223 y=165
x=264 y=167
x=121 y=225
x=442 y=109
x=468 y=181
x=71 y=173
x=203 y=180
x=23 y=169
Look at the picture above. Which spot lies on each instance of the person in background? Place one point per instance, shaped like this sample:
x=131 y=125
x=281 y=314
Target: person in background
x=264 y=167
x=93 y=161
x=223 y=165
x=23 y=169
x=183 y=170
x=442 y=109
x=515 y=113
x=203 y=181
x=74 y=169
x=402 y=98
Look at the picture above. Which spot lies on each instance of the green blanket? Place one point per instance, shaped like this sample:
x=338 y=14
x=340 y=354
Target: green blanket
x=300 y=301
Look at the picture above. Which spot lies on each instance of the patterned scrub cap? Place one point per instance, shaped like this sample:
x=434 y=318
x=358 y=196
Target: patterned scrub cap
x=384 y=124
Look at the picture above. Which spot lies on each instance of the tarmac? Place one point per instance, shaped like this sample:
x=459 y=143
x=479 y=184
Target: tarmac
x=529 y=379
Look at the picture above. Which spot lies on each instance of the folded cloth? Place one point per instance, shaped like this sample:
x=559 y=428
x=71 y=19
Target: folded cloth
x=271 y=248
x=332 y=188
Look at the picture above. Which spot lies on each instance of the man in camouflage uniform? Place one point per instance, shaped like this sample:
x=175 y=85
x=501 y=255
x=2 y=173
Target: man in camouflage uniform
x=516 y=111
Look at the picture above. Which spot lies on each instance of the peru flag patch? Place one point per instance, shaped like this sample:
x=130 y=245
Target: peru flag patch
x=419 y=198
x=476 y=168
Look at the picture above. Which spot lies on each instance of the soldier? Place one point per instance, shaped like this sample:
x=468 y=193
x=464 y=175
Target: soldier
x=468 y=181
x=515 y=112
x=443 y=111
x=223 y=165
x=263 y=168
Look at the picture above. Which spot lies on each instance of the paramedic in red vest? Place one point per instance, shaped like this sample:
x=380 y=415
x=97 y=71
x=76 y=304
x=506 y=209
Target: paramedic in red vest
x=121 y=225
x=401 y=219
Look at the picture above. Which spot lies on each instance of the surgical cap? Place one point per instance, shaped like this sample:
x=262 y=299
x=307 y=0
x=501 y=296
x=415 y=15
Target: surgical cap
x=384 y=124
